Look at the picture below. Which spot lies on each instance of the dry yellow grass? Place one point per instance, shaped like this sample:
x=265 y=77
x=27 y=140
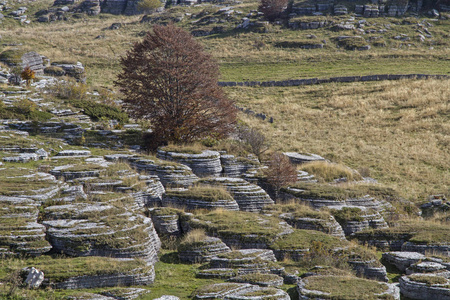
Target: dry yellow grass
x=400 y=130
x=326 y=171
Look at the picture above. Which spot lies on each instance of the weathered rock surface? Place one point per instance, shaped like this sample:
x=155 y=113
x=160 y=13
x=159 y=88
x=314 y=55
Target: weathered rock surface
x=423 y=291
x=237 y=166
x=248 y=196
x=101 y=229
x=297 y=158
x=403 y=260
x=204 y=164
x=201 y=251
x=170 y=173
x=34 y=277
x=19 y=231
x=139 y=277
x=267 y=280
x=184 y=199
x=240 y=291
x=166 y=222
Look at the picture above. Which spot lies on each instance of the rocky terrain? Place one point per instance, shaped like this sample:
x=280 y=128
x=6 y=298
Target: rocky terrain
x=87 y=212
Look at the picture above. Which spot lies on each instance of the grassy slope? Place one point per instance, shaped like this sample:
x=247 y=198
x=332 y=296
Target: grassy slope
x=398 y=129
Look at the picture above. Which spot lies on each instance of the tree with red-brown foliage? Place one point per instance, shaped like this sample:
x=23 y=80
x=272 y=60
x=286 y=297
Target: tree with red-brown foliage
x=171 y=81
x=280 y=172
x=272 y=9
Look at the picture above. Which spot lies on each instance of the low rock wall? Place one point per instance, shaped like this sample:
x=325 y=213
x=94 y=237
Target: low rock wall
x=311 y=81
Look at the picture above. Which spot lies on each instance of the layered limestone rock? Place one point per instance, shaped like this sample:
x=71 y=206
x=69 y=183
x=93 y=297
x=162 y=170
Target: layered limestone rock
x=425 y=286
x=170 y=173
x=359 y=218
x=166 y=221
x=238 y=166
x=402 y=260
x=371 y=269
x=204 y=164
x=248 y=196
x=19 y=231
x=267 y=280
x=199 y=199
x=244 y=262
x=201 y=251
x=297 y=158
x=101 y=227
x=316 y=287
x=239 y=291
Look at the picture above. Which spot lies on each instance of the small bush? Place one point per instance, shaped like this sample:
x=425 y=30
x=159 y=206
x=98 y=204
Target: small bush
x=194 y=236
x=280 y=172
x=254 y=138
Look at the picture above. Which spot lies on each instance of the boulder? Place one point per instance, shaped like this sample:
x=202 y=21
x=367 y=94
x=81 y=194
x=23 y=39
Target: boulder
x=34 y=277
x=201 y=251
x=248 y=196
x=206 y=163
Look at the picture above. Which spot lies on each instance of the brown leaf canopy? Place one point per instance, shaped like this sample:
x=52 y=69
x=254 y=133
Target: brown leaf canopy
x=170 y=80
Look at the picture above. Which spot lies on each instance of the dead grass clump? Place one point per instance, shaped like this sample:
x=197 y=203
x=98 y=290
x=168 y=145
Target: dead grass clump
x=327 y=172
x=194 y=236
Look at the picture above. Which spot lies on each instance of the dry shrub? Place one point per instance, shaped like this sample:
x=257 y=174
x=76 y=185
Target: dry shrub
x=254 y=138
x=280 y=172
x=194 y=236
x=326 y=171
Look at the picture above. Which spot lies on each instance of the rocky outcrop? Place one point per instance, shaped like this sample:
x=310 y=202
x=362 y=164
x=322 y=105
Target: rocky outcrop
x=239 y=291
x=170 y=173
x=190 y=201
x=321 y=283
x=101 y=229
x=402 y=260
x=247 y=261
x=329 y=225
x=237 y=166
x=204 y=164
x=267 y=280
x=19 y=231
x=411 y=287
x=144 y=276
x=297 y=158
x=248 y=196
x=166 y=221
x=371 y=269
x=201 y=251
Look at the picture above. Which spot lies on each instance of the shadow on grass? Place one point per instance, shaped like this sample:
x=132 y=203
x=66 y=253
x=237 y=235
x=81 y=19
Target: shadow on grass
x=170 y=258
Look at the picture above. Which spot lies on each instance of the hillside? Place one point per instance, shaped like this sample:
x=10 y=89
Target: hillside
x=341 y=88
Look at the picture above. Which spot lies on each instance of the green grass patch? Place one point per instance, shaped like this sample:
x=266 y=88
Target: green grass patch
x=204 y=193
x=303 y=239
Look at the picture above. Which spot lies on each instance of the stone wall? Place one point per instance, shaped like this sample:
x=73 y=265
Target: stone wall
x=311 y=81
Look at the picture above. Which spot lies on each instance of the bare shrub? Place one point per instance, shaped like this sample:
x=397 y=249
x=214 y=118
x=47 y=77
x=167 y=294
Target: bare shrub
x=254 y=138
x=280 y=172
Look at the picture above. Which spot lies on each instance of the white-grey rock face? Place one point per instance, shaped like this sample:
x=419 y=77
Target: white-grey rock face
x=204 y=164
x=248 y=196
x=269 y=280
x=240 y=291
x=202 y=251
x=139 y=277
x=423 y=291
x=330 y=225
x=183 y=199
x=73 y=153
x=34 y=277
x=101 y=229
x=166 y=224
x=19 y=231
x=170 y=174
x=402 y=260
x=247 y=261
x=390 y=290
x=237 y=166
x=297 y=158
x=167 y=297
